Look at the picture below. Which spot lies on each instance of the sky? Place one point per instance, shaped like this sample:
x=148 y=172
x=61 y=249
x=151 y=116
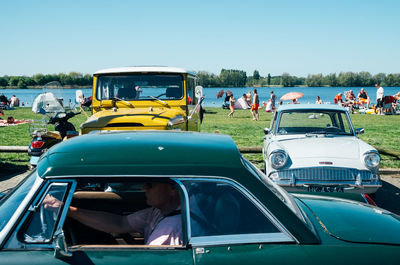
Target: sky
x=281 y=36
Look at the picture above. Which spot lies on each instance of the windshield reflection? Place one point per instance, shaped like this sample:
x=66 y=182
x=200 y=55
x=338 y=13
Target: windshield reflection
x=140 y=87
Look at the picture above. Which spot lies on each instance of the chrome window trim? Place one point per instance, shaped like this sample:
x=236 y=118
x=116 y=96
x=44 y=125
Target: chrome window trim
x=20 y=210
x=241 y=238
x=187 y=209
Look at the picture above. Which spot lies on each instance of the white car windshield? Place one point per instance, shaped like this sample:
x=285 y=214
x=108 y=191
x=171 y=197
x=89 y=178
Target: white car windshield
x=140 y=87
x=314 y=122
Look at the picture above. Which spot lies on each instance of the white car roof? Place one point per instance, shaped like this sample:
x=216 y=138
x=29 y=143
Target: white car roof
x=147 y=69
x=311 y=106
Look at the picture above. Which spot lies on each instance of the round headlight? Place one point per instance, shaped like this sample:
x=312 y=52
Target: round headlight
x=177 y=120
x=278 y=159
x=372 y=160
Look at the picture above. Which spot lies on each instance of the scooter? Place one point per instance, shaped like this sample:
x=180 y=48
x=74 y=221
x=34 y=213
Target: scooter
x=43 y=139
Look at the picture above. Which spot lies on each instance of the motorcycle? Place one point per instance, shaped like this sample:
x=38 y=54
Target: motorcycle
x=42 y=138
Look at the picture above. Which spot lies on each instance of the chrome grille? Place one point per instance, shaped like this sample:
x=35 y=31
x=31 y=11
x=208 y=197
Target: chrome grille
x=325 y=174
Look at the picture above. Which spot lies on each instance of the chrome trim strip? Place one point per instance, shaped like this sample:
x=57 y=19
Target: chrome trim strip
x=241 y=238
x=289 y=237
x=65 y=210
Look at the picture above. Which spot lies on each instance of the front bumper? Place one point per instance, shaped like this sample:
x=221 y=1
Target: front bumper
x=327 y=179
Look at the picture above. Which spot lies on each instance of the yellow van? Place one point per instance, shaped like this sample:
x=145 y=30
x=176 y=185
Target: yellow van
x=145 y=98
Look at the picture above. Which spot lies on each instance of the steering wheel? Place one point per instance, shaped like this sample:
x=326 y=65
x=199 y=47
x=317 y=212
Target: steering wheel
x=163 y=94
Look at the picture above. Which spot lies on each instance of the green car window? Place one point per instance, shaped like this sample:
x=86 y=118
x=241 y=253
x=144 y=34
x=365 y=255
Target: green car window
x=218 y=208
x=42 y=222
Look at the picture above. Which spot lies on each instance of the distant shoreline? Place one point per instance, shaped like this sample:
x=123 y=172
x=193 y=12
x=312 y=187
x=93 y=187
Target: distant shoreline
x=40 y=87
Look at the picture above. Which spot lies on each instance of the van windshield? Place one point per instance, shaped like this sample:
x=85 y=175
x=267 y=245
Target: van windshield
x=140 y=87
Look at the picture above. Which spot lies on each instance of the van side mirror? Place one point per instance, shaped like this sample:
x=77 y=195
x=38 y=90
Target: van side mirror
x=60 y=246
x=266 y=131
x=198 y=90
x=360 y=131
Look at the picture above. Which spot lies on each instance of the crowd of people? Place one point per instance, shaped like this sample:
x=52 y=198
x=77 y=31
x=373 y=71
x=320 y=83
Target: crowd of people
x=6 y=103
x=384 y=104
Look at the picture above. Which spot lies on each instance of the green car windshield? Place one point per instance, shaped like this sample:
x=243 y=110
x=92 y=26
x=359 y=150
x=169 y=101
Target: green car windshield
x=10 y=202
x=314 y=122
x=140 y=87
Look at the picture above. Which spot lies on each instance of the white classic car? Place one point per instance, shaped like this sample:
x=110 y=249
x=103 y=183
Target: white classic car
x=311 y=147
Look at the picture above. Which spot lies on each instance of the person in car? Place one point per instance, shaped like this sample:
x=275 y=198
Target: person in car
x=160 y=224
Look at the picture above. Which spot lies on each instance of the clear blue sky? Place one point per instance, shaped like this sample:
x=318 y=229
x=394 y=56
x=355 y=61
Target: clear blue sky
x=297 y=37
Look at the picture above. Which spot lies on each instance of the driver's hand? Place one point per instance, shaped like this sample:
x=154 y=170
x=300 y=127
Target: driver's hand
x=51 y=203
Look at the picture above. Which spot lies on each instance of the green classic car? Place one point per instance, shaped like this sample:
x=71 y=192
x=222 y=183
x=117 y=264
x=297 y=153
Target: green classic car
x=230 y=212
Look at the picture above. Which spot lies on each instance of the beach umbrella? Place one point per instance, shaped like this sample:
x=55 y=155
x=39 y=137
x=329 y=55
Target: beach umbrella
x=220 y=93
x=292 y=95
x=229 y=93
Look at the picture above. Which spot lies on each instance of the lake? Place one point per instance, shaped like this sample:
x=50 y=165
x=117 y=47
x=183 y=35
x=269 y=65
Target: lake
x=326 y=93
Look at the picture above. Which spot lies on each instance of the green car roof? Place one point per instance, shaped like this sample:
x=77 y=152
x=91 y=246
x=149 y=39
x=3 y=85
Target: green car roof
x=141 y=153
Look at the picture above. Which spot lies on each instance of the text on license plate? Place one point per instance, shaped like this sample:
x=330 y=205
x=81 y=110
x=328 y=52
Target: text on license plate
x=325 y=189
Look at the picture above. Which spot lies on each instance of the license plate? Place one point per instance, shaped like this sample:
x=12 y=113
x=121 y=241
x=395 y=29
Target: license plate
x=325 y=188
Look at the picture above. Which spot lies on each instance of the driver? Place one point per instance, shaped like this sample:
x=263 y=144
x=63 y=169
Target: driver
x=160 y=224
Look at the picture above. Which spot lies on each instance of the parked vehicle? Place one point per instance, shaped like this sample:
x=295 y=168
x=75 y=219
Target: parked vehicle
x=145 y=98
x=313 y=147
x=230 y=212
x=42 y=138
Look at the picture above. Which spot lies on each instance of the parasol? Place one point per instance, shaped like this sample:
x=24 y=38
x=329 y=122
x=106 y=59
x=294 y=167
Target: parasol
x=292 y=95
x=220 y=93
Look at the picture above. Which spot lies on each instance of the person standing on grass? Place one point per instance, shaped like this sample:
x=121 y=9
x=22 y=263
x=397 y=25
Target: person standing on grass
x=255 y=105
x=273 y=99
x=231 y=106
x=379 y=99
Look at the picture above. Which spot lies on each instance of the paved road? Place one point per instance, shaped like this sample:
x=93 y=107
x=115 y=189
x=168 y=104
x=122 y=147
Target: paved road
x=387 y=197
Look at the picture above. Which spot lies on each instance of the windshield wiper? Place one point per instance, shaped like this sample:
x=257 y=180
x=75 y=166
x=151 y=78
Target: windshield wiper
x=120 y=99
x=318 y=132
x=156 y=98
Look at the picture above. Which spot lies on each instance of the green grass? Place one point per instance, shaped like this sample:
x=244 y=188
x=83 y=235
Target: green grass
x=381 y=131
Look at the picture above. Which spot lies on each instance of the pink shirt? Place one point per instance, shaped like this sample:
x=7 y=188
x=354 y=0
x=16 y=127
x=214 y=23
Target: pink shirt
x=157 y=229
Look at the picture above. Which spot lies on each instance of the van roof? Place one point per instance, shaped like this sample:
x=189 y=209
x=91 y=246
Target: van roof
x=144 y=69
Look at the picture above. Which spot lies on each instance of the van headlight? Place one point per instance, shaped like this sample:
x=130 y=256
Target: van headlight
x=278 y=159
x=372 y=159
x=175 y=121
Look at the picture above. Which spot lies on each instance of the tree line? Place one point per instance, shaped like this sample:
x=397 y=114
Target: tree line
x=238 y=78
x=71 y=79
x=226 y=78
